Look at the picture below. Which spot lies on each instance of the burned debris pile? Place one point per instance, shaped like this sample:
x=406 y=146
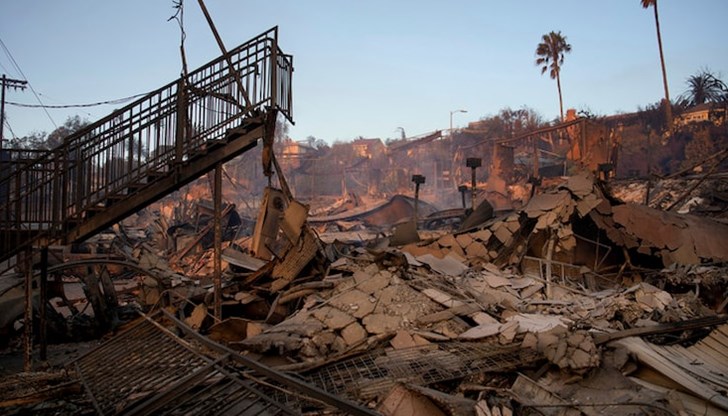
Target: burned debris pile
x=576 y=303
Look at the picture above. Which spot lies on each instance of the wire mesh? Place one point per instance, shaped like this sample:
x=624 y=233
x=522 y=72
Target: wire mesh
x=366 y=376
x=147 y=370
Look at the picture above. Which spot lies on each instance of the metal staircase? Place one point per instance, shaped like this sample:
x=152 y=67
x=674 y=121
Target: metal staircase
x=142 y=152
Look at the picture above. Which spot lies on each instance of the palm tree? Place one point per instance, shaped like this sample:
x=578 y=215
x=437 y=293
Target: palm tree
x=668 y=106
x=550 y=56
x=704 y=87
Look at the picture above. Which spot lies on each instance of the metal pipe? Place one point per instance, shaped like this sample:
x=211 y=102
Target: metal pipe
x=217 y=196
x=42 y=304
x=28 y=315
x=417 y=179
x=472 y=197
x=473 y=163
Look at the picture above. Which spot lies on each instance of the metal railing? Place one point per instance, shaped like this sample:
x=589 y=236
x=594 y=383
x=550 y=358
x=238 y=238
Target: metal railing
x=145 y=140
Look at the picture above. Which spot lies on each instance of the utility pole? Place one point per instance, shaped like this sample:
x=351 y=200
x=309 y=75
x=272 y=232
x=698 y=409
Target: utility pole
x=6 y=82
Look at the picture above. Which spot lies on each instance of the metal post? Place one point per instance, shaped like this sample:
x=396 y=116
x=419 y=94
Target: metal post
x=217 y=191
x=28 y=315
x=417 y=179
x=463 y=189
x=473 y=181
x=473 y=163
x=181 y=127
x=274 y=71
x=42 y=303
x=649 y=169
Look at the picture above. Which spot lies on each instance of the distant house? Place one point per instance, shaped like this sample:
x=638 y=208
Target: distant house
x=367 y=148
x=297 y=148
x=294 y=151
x=710 y=112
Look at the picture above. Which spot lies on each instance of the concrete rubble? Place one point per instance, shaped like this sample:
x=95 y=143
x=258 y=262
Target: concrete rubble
x=614 y=301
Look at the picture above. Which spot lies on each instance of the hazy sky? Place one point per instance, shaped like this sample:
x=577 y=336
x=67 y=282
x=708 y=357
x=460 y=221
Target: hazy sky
x=366 y=67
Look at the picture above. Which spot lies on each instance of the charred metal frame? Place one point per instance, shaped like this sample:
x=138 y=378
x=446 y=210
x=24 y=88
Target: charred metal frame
x=150 y=370
x=368 y=375
x=145 y=150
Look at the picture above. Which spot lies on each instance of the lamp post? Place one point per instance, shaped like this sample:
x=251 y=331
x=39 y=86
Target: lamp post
x=453 y=112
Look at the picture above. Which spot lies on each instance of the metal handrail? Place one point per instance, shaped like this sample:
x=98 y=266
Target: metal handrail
x=144 y=140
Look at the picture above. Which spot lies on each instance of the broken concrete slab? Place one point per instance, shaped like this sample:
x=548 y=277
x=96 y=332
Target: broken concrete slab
x=481 y=331
x=405 y=339
x=333 y=318
x=580 y=184
x=355 y=302
x=448 y=266
x=403 y=402
x=528 y=322
x=293 y=219
x=442 y=298
x=528 y=392
x=650 y=298
x=405 y=233
x=541 y=203
x=478 y=250
x=353 y=334
x=241 y=259
x=378 y=323
x=232 y=329
x=374 y=283
x=464 y=240
x=660 y=229
x=196 y=319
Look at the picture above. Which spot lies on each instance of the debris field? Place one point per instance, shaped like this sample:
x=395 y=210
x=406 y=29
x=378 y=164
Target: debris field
x=575 y=303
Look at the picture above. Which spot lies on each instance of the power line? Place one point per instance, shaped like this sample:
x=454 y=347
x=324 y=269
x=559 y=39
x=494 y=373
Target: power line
x=116 y=101
x=15 y=64
x=4 y=68
x=10 y=128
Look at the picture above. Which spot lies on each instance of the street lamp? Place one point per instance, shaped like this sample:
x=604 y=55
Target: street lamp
x=453 y=112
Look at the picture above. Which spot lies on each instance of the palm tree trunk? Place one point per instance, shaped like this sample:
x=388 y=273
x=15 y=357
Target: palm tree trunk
x=668 y=105
x=561 y=102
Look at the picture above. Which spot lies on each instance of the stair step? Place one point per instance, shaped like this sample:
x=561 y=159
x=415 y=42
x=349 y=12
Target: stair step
x=72 y=223
x=211 y=144
x=95 y=208
x=133 y=187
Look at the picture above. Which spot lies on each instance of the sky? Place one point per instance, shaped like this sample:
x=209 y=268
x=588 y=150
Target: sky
x=364 y=68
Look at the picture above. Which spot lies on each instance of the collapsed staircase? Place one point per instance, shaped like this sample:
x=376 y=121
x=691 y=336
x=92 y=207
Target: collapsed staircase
x=142 y=152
